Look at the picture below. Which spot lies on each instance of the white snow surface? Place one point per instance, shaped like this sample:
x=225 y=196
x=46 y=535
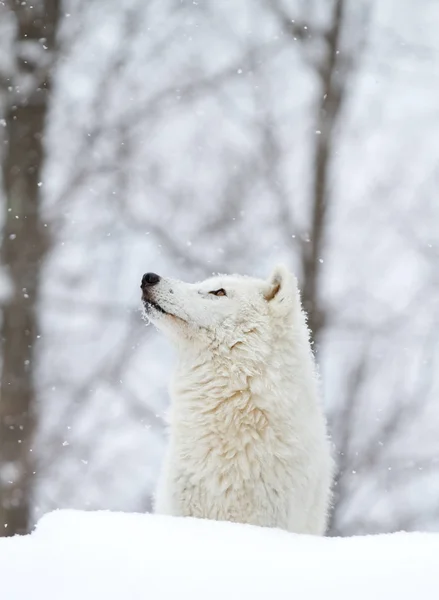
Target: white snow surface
x=74 y=555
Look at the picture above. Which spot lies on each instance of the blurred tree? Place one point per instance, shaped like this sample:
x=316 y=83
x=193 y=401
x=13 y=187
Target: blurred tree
x=24 y=246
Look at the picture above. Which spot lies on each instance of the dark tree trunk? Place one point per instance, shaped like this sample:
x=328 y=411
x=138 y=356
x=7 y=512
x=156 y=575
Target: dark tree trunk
x=23 y=250
x=328 y=110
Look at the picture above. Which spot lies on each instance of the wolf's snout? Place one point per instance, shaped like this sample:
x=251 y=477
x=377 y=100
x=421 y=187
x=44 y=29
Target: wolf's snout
x=149 y=279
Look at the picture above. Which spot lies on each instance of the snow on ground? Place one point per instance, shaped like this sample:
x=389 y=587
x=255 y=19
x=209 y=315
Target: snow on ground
x=76 y=555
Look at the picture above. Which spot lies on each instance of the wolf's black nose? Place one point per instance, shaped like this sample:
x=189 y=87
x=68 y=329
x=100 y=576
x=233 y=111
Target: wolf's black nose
x=149 y=279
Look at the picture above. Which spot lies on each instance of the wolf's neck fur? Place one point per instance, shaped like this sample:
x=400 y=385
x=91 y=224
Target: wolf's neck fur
x=238 y=377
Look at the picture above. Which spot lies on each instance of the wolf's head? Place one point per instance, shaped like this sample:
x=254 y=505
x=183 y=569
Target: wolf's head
x=222 y=309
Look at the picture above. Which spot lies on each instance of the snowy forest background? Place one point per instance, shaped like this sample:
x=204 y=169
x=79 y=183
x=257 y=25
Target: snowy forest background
x=188 y=138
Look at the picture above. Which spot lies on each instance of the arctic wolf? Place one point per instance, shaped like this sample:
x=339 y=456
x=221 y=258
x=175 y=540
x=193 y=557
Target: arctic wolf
x=248 y=438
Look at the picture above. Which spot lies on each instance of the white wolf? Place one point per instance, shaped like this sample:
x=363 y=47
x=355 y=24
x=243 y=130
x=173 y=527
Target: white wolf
x=248 y=438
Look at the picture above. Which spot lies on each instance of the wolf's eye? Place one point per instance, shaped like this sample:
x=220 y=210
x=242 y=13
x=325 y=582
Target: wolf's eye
x=220 y=292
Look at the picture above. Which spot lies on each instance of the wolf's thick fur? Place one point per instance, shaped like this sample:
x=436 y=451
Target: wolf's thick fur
x=248 y=438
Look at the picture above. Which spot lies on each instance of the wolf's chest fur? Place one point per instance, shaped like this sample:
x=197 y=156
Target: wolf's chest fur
x=234 y=453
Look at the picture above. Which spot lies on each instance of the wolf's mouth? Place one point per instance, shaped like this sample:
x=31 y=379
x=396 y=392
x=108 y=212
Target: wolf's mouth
x=151 y=304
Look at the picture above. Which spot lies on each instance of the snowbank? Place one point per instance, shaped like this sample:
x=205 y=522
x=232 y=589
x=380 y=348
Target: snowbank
x=104 y=556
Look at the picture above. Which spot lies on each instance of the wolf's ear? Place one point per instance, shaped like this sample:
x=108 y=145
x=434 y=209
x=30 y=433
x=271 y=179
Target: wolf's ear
x=280 y=285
